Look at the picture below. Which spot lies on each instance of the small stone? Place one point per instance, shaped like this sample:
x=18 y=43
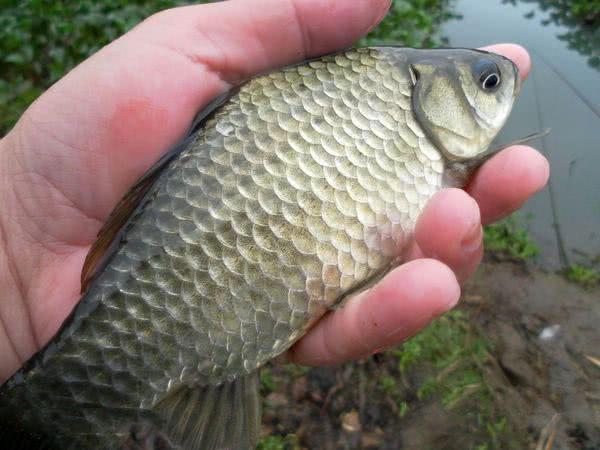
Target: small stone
x=549 y=333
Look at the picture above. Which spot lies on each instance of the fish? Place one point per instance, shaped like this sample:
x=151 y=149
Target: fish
x=290 y=193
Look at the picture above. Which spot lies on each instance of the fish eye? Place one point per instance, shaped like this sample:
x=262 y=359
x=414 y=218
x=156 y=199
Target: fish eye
x=487 y=74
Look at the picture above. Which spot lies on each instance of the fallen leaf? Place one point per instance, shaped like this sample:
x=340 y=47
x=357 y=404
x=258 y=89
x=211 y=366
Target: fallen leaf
x=351 y=421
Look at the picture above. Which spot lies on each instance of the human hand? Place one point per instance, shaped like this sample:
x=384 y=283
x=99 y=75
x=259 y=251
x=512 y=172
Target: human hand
x=84 y=142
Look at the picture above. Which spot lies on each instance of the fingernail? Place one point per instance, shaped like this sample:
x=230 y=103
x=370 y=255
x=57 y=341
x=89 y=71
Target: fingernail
x=543 y=172
x=453 y=303
x=472 y=237
x=453 y=299
x=379 y=17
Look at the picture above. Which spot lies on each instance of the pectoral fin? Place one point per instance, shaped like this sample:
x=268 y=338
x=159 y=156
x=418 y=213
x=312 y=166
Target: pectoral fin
x=219 y=417
x=365 y=284
x=523 y=140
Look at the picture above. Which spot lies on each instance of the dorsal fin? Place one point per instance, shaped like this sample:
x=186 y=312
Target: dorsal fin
x=111 y=232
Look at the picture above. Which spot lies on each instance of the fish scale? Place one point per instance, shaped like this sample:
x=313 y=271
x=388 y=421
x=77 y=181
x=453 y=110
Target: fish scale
x=303 y=185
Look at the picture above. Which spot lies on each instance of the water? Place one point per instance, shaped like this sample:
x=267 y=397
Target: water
x=565 y=217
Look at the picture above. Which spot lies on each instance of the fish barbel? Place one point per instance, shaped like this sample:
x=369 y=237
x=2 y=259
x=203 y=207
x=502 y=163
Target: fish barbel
x=291 y=191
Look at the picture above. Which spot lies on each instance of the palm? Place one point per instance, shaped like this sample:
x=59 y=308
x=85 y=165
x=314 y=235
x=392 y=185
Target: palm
x=87 y=139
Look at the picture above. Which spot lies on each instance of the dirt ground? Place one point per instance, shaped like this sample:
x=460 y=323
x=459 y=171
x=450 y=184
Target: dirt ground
x=547 y=336
x=541 y=377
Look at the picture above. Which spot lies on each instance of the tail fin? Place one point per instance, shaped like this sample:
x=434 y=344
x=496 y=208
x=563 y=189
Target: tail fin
x=219 y=417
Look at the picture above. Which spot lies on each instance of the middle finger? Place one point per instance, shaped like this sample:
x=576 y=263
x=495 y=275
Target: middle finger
x=449 y=230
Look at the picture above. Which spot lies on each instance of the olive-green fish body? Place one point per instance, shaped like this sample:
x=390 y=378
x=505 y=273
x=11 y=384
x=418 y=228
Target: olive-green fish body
x=299 y=187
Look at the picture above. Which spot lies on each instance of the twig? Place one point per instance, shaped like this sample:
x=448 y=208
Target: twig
x=546 y=440
x=593 y=360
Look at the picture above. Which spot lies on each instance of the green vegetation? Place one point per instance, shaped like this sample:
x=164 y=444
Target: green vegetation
x=271 y=380
x=581 y=18
x=389 y=385
x=413 y=23
x=268 y=383
x=452 y=347
x=587 y=11
x=567 y=11
x=455 y=353
x=289 y=442
x=510 y=237
x=40 y=41
x=585 y=276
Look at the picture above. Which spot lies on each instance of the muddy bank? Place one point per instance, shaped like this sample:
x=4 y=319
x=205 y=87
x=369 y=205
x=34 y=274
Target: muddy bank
x=546 y=337
x=516 y=367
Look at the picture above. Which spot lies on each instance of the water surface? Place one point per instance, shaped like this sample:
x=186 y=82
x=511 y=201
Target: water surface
x=562 y=92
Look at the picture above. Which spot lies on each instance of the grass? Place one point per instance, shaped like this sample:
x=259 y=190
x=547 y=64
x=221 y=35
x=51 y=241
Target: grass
x=455 y=352
x=390 y=386
x=510 y=237
x=452 y=347
x=585 y=276
x=288 y=442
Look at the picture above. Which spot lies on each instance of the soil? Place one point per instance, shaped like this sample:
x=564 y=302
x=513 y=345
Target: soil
x=542 y=374
x=547 y=336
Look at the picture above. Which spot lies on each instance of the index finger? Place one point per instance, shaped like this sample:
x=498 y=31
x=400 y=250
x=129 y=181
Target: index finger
x=516 y=54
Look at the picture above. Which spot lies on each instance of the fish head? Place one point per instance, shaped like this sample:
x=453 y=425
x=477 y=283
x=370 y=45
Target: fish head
x=462 y=98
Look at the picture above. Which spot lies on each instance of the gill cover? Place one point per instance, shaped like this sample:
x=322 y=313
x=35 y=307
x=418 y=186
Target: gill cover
x=462 y=98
